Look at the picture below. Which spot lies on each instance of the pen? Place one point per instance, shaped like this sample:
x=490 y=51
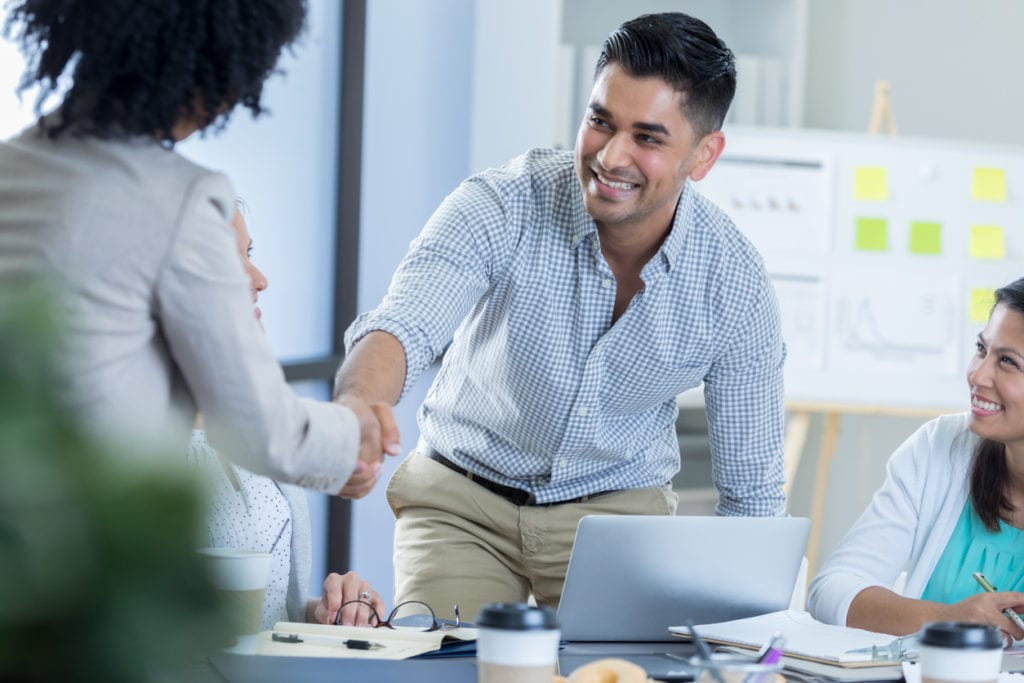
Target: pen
x=1008 y=612
x=350 y=643
x=769 y=652
x=705 y=653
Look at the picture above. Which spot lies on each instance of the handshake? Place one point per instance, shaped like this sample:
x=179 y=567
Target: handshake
x=378 y=436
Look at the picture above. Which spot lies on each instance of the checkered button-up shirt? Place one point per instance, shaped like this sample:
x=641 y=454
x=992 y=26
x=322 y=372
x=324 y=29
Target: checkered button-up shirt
x=539 y=390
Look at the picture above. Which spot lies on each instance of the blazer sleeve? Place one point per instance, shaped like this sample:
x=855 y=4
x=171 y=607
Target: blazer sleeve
x=205 y=311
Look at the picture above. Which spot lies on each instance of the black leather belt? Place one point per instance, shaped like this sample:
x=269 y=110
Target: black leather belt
x=512 y=495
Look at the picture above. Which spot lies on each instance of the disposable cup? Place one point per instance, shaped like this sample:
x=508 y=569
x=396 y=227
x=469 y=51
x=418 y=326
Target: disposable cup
x=241 y=576
x=958 y=652
x=517 y=643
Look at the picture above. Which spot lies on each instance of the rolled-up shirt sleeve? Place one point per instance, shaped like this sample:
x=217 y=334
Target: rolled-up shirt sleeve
x=251 y=414
x=446 y=271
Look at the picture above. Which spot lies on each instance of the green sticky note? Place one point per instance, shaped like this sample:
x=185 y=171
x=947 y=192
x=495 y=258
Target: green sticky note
x=987 y=242
x=925 y=238
x=872 y=234
x=870 y=184
x=989 y=185
x=981 y=304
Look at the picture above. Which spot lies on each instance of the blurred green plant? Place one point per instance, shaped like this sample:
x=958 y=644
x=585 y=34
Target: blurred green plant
x=98 y=578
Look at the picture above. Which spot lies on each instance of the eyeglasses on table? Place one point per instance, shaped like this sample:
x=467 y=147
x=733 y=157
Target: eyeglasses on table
x=411 y=615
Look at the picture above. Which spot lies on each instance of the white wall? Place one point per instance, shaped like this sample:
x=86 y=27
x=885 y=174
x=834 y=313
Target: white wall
x=515 y=76
x=15 y=114
x=953 y=66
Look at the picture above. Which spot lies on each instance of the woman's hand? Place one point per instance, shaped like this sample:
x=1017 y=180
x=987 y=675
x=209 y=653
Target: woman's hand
x=987 y=608
x=339 y=589
x=879 y=609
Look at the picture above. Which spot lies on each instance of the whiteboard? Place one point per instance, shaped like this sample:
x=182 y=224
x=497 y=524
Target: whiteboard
x=883 y=251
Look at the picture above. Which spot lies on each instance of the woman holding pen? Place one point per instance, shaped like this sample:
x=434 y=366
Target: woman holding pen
x=951 y=507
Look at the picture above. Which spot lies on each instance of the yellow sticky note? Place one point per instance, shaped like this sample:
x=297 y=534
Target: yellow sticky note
x=925 y=238
x=987 y=242
x=981 y=304
x=871 y=184
x=989 y=185
x=872 y=234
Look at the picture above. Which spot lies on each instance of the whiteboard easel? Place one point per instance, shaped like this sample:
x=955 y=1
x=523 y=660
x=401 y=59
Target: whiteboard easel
x=797 y=425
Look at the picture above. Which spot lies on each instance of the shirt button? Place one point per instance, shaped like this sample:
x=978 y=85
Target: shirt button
x=582 y=412
x=563 y=463
x=606 y=283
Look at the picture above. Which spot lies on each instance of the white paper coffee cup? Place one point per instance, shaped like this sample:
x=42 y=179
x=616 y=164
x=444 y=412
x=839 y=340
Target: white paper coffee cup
x=517 y=643
x=242 y=577
x=958 y=652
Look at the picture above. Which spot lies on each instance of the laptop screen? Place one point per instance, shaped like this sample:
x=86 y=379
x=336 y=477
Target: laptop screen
x=632 y=577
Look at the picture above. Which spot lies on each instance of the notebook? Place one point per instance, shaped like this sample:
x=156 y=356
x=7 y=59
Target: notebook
x=806 y=638
x=632 y=577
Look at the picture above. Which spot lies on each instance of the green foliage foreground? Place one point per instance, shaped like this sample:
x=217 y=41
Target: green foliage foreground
x=98 y=580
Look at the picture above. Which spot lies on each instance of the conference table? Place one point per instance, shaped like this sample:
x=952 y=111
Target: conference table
x=264 y=669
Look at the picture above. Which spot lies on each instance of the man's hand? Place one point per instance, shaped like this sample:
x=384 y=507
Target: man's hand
x=378 y=436
x=339 y=589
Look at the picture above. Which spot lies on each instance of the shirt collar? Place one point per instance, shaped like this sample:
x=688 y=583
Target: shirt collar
x=671 y=248
x=582 y=223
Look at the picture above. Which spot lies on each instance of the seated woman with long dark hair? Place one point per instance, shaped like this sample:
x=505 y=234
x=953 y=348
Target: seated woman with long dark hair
x=952 y=504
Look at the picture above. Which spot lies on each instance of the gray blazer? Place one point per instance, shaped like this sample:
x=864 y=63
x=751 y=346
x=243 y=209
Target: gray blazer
x=157 y=305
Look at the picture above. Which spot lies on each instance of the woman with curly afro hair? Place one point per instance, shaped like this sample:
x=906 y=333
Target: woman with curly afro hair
x=138 y=239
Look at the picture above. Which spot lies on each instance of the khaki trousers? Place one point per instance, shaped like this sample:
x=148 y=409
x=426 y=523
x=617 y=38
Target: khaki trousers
x=456 y=542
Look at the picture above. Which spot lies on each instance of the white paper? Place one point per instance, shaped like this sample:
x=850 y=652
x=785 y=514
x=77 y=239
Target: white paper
x=804 y=636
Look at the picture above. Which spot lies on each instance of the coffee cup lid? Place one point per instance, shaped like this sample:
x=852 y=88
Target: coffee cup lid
x=516 y=616
x=962 y=635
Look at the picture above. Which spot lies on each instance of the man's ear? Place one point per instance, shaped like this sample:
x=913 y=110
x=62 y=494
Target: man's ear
x=708 y=151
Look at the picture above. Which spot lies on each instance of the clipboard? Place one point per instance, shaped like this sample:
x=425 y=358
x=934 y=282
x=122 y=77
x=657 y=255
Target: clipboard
x=806 y=639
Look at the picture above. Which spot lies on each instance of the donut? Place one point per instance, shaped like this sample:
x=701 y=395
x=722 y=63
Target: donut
x=608 y=671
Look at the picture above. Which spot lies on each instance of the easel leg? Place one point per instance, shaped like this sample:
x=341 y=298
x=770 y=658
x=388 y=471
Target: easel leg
x=797 y=424
x=829 y=439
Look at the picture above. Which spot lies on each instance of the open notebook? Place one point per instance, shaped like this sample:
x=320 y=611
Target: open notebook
x=805 y=638
x=326 y=640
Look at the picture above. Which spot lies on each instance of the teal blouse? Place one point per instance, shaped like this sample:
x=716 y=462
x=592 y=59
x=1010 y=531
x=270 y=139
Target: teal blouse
x=973 y=548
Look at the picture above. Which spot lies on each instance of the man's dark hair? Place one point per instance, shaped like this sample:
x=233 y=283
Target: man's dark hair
x=139 y=66
x=989 y=475
x=686 y=54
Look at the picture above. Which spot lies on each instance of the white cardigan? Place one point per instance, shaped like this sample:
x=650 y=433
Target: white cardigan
x=907 y=524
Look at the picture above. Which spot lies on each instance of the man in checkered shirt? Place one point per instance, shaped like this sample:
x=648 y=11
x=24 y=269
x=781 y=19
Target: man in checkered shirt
x=573 y=297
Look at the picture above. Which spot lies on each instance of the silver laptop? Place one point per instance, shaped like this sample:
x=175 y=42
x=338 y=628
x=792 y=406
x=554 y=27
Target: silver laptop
x=631 y=577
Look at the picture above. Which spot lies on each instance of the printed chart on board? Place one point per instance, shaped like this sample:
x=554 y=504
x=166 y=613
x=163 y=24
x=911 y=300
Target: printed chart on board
x=884 y=254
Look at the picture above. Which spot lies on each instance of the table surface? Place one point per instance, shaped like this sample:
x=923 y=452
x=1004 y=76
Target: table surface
x=261 y=669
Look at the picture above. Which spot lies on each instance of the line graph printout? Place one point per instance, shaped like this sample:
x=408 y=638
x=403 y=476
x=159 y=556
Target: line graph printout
x=892 y=322
x=804 y=321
